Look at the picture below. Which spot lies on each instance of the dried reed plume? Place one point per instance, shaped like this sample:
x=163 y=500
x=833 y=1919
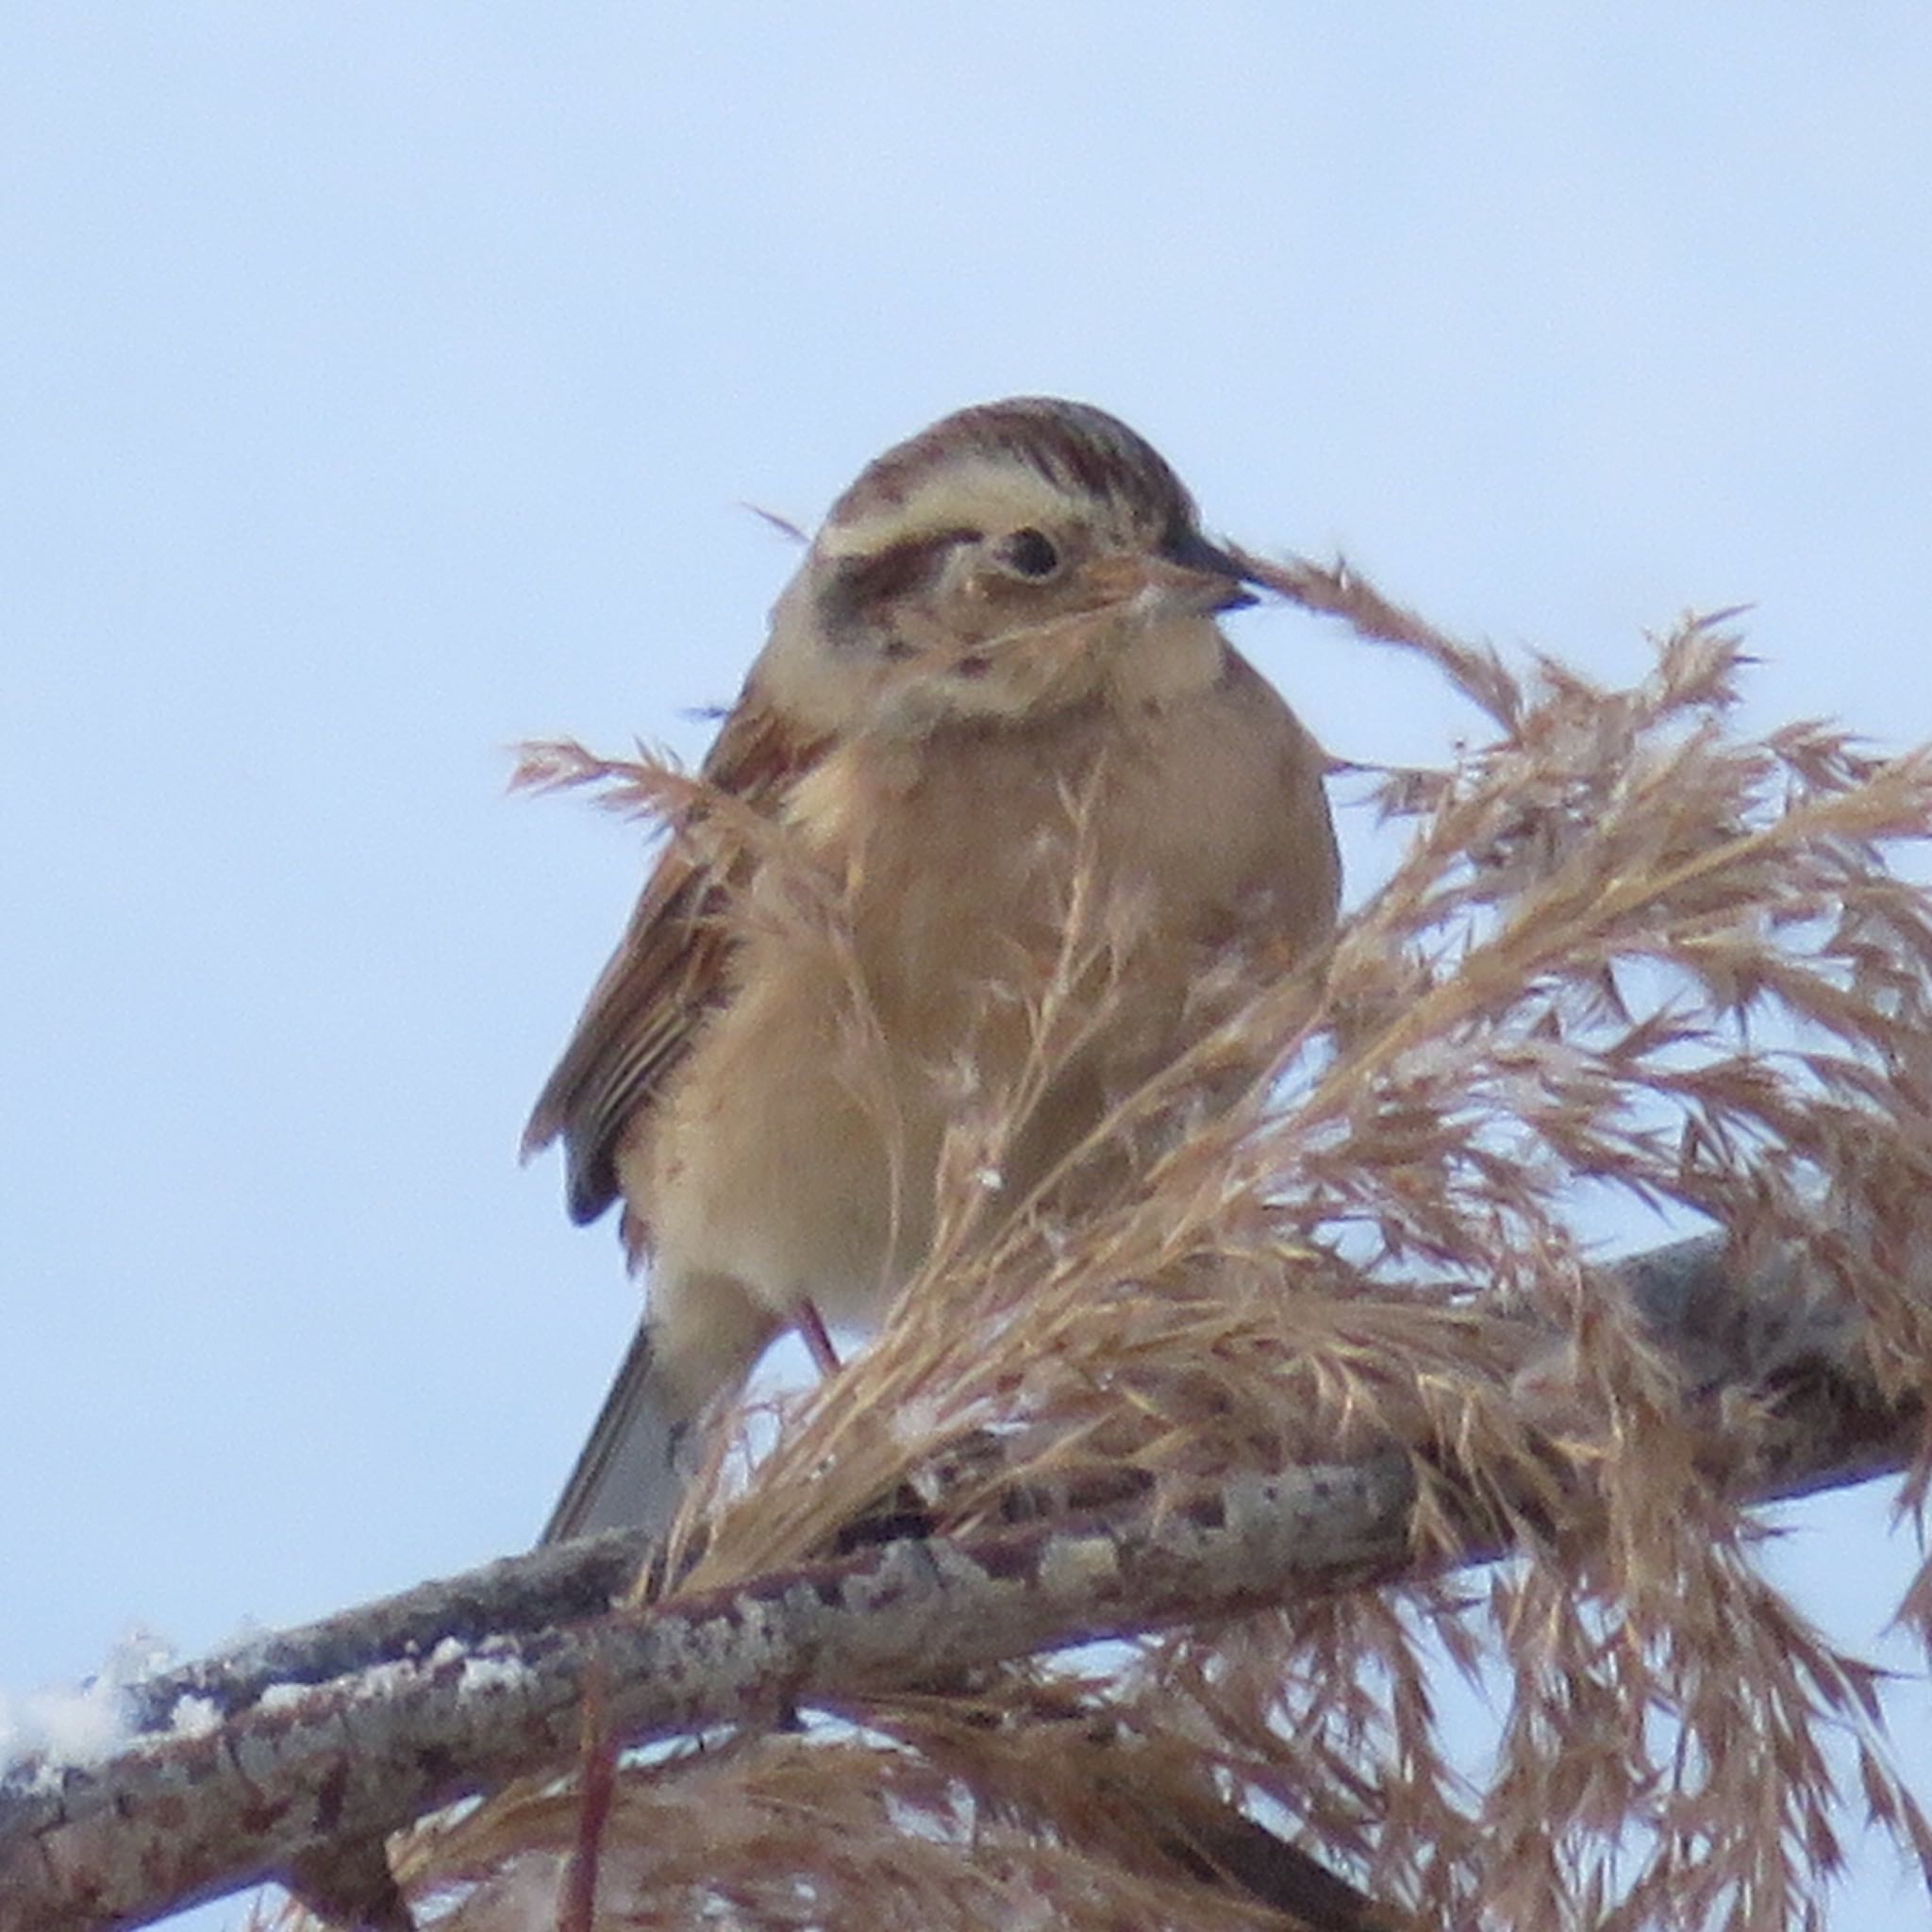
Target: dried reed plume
x=1624 y=948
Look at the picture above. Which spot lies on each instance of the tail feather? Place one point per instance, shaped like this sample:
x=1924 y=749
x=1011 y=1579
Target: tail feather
x=630 y=1475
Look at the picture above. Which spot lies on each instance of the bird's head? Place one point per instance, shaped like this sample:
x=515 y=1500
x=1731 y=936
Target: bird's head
x=998 y=566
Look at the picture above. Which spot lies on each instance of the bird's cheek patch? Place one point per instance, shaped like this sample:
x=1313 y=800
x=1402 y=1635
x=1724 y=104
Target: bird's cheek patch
x=858 y=597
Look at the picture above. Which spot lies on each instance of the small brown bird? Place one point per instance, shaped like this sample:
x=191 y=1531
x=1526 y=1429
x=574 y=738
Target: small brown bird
x=995 y=678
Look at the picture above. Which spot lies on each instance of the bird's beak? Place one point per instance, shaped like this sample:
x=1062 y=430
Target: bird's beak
x=1187 y=577
x=1195 y=578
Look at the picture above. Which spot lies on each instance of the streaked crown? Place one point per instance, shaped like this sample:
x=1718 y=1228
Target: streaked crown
x=990 y=459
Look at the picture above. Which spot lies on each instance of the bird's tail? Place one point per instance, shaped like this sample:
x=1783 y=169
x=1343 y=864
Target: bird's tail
x=631 y=1474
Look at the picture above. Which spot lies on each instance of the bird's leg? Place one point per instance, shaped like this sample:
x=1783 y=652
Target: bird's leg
x=811 y=1326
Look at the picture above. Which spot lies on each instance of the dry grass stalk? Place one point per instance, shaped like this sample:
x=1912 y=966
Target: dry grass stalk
x=1624 y=947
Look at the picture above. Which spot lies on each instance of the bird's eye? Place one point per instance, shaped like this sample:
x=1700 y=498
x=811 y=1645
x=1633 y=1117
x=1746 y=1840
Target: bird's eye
x=1030 y=554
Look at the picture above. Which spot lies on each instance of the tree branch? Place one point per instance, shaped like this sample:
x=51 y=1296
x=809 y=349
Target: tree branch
x=282 y=1762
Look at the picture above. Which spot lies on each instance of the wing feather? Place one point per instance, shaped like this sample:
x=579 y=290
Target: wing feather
x=669 y=971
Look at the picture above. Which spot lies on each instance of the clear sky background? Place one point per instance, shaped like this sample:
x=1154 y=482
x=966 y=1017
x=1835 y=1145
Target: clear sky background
x=381 y=384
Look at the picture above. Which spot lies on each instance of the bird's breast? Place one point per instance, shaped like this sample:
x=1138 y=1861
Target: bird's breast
x=1013 y=928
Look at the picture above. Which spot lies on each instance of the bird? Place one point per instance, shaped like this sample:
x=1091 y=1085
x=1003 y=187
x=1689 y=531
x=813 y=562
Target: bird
x=995 y=683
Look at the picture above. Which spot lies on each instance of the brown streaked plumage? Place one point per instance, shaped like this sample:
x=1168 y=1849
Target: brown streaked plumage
x=997 y=664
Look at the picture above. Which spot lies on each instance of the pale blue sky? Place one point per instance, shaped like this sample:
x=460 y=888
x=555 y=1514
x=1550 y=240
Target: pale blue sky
x=380 y=385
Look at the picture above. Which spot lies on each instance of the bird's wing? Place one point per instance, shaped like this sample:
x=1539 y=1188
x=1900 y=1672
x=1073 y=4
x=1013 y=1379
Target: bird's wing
x=668 y=971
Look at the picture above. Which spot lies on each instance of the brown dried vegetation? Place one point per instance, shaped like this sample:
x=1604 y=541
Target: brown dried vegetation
x=1624 y=947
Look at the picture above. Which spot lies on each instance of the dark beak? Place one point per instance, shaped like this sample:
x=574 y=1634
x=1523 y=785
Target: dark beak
x=1192 y=550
